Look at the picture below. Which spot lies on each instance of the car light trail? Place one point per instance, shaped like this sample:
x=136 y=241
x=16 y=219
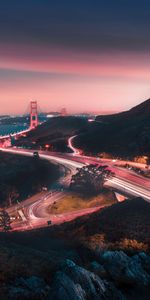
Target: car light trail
x=70 y=145
x=130 y=188
x=36 y=212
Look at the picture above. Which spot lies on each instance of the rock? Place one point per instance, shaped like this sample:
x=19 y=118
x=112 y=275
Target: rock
x=29 y=288
x=113 y=293
x=65 y=289
x=125 y=269
x=145 y=261
x=77 y=283
x=98 y=269
x=90 y=283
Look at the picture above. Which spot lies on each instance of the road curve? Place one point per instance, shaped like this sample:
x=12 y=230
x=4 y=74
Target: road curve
x=36 y=212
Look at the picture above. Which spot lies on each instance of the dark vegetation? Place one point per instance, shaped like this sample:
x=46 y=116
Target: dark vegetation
x=128 y=220
x=87 y=241
x=124 y=134
x=35 y=253
x=23 y=176
x=55 y=133
x=89 y=180
x=5 y=222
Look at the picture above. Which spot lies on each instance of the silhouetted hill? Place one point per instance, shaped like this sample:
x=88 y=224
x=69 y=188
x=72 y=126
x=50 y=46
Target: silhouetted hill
x=123 y=134
x=54 y=132
x=140 y=110
x=143 y=107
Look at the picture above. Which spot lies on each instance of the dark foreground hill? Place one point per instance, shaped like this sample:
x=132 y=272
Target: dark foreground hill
x=59 y=263
x=128 y=220
x=124 y=134
x=55 y=133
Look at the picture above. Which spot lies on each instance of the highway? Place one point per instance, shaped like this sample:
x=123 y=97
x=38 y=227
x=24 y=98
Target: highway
x=125 y=181
x=35 y=212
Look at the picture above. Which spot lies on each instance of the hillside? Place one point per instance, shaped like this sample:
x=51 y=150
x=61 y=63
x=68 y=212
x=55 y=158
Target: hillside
x=80 y=259
x=125 y=220
x=54 y=132
x=21 y=177
x=124 y=134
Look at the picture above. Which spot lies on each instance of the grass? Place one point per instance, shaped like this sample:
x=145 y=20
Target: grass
x=123 y=225
x=42 y=252
x=73 y=202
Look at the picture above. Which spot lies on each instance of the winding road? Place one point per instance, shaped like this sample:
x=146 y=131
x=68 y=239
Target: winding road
x=35 y=211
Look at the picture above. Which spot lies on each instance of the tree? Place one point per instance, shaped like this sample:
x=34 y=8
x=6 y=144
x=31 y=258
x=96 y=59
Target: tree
x=12 y=195
x=90 y=179
x=4 y=220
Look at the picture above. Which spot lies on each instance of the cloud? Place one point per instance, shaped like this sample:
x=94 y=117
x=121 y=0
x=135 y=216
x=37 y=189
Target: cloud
x=83 y=25
x=74 y=53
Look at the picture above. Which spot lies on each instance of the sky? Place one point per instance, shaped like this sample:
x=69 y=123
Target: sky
x=85 y=55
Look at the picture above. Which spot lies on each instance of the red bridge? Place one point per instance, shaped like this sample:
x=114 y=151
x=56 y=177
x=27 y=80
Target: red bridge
x=5 y=140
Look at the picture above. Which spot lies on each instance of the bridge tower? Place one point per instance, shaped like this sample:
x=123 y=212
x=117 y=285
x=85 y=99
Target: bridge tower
x=33 y=115
x=63 y=112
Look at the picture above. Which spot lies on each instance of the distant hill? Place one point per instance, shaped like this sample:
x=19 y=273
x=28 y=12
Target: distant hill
x=124 y=134
x=54 y=132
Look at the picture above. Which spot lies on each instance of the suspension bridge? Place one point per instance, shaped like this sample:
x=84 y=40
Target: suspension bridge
x=5 y=140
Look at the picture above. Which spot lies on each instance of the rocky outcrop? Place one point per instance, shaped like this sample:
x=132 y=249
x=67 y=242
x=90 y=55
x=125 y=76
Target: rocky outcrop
x=65 y=289
x=98 y=269
x=77 y=283
x=144 y=260
x=127 y=270
x=113 y=276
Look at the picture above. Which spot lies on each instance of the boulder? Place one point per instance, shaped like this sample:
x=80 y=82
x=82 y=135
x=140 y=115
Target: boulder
x=98 y=269
x=90 y=282
x=65 y=289
x=144 y=259
x=124 y=269
x=77 y=283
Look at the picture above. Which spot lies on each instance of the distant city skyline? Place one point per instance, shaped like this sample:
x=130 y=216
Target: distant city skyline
x=83 y=55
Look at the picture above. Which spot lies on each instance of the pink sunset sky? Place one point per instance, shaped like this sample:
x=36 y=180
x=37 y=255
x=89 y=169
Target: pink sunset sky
x=80 y=55
x=79 y=81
